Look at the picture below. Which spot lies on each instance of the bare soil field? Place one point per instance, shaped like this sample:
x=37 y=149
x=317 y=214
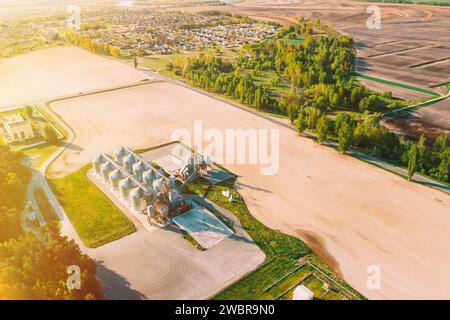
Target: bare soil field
x=396 y=46
x=59 y=71
x=401 y=93
x=443 y=67
x=351 y=213
x=431 y=121
x=428 y=54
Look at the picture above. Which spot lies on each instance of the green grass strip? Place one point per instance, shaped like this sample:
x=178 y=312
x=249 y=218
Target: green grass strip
x=397 y=84
x=96 y=219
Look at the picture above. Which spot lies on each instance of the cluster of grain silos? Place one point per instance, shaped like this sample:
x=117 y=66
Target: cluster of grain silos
x=132 y=179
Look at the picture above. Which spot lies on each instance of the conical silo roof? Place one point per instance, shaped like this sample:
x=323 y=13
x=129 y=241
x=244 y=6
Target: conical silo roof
x=121 y=152
x=116 y=174
x=128 y=159
x=126 y=183
x=106 y=166
x=157 y=184
x=137 y=192
x=98 y=159
x=139 y=166
x=149 y=175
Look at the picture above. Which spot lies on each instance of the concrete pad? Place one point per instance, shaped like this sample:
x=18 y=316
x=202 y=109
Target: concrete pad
x=204 y=227
x=160 y=264
x=216 y=176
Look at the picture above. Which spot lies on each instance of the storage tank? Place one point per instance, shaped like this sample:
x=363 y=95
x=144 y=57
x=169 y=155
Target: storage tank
x=105 y=169
x=174 y=198
x=190 y=163
x=125 y=186
x=137 y=199
x=138 y=169
x=114 y=179
x=150 y=211
x=97 y=162
x=157 y=184
x=128 y=161
x=150 y=195
x=119 y=154
x=148 y=177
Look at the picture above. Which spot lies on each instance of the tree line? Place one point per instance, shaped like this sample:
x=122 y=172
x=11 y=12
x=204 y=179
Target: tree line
x=31 y=267
x=365 y=133
x=88 y=44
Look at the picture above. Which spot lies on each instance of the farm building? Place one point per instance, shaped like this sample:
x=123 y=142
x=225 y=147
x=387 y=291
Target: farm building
x=152 y=193
x=140 y=185
x=16 y=128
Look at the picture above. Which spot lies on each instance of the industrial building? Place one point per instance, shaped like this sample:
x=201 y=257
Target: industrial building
x=16 y=128
x=141 y=186
x=151 y=192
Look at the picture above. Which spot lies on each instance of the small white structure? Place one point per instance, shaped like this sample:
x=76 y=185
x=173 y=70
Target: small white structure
x=31 y=216
x=302 y=293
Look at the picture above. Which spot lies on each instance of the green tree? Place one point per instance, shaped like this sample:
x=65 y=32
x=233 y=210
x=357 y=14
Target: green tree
x=322 y=128
x=412 y=161
x=29 y=111
x=14 y=178
x=50 y=135
x=114 y=51
x=421 y=152
x=341 y=117
x=37 y=269
x=301 y=121
x=345 y=135
x=443 y=168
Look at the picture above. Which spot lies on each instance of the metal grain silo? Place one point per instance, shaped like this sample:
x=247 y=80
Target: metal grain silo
x=157 y=184
x=137 y=199
x=148 y=177
x=125 y=185
x=105 y=169
x=151 y=211
x=97 y=162
x=120 y=154
x=128 y=162
x=138 y=168
x=114 y=179
x=174 y=199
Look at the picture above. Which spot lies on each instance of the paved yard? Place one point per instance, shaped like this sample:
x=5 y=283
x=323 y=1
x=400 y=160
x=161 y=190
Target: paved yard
x=160 y=264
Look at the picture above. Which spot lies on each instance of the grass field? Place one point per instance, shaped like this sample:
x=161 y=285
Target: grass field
x=282 y=251
x=45 y=207
x=41 y=153
x=96 y=219
x=158 y=62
